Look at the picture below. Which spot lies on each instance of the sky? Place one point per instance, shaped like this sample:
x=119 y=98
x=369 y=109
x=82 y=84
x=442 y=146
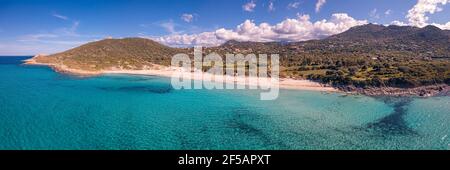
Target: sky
x=29 y=27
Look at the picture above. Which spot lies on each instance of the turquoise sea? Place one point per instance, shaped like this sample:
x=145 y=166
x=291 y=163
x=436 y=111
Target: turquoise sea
x=42 y=109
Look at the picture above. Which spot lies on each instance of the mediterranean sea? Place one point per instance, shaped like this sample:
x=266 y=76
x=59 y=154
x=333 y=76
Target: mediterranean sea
x=42 y=109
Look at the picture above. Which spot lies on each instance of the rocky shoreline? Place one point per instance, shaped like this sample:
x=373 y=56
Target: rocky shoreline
x=423 y=91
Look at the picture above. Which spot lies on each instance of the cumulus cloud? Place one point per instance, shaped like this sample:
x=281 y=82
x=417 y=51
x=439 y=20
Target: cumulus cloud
x=300 y=28
x=294 y=5
x=187 y=17
x=249 y=7
x=319 y=4
x=417 y=16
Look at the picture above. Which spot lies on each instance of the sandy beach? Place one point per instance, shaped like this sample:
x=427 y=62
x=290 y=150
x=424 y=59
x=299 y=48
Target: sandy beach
x=164 y=71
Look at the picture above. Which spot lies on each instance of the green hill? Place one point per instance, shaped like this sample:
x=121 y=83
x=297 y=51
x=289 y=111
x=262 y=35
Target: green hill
x=127 y=53
x=368 y=55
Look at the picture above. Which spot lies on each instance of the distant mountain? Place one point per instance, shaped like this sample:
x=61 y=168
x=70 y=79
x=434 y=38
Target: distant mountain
x=392 y=32
x=374 y=32
x=429 y=41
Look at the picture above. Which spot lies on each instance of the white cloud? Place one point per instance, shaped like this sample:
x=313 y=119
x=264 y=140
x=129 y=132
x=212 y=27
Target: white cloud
x=319 y=4
x=445 y=26
x=204 y=39
x=374 y=14
x=271 y=6
x=70 y=31
x=169 y=26
x=60 y=16
x=66 y=32
x=417 y=16
x=291 y=29
x=294 y=5
x=47 y=42
x=187 y=17
x=36 y=37
x=38 y=47
x=388 y=12
x=398 y=23
x=249 y=7
x=42 y=43
x=145 y=25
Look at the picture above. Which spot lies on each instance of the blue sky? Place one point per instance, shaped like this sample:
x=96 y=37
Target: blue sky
x=28 y=27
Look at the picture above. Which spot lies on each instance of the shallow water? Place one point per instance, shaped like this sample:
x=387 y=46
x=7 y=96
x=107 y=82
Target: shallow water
x=41 y=109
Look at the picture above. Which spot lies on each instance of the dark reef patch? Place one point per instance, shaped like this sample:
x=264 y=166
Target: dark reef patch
x=394 y=123
x=141 y=88
x=242 y=119
x=133 y=78
x=71 y=77
x=151 y=89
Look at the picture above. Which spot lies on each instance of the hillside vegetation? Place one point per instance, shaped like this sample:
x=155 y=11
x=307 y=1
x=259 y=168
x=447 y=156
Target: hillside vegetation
x=368 y=55
x=127 y=53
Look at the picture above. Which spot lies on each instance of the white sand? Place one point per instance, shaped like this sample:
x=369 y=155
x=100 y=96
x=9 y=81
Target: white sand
x=157 y=70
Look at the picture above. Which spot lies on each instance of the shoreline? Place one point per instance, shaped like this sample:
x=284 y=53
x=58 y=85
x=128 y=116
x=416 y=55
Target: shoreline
x=284 y=83
x=422 y=91
x=163 y=71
